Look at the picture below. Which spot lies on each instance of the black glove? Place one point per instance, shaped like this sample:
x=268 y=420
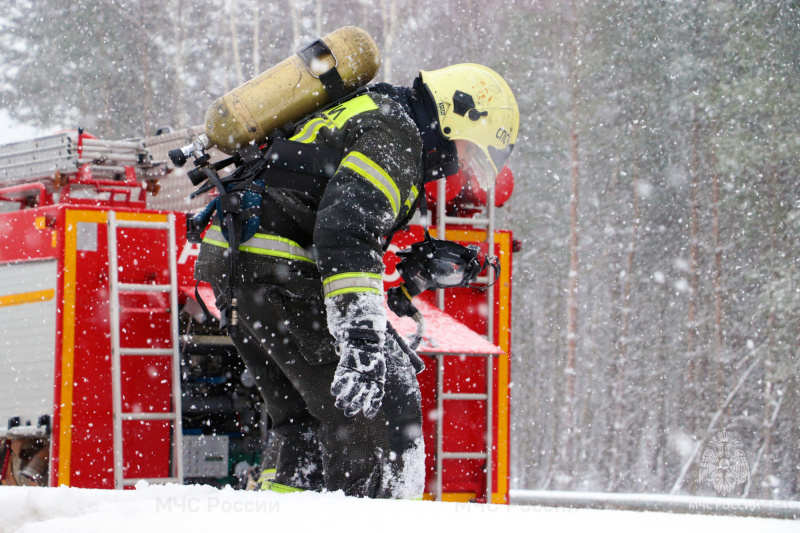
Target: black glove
x=360 y=377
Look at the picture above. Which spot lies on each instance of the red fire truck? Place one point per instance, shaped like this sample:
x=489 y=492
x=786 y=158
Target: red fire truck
x=111 y=374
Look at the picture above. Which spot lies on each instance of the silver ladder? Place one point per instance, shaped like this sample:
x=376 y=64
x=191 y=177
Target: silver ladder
x=488 y=221
x=36 y=159
x=116 y=287
x=441 y=396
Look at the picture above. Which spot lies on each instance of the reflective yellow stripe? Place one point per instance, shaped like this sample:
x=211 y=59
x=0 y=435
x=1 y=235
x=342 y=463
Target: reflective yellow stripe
x=411 y=197
x=334 y=118
x=340 y=114
x=352 y=282
x=263 y=244
x=274 y=253
x=268 y=473
x=352 y=289
x=309 y=132
x=215 y=232
x=346 y=275
x=273 y=486
x=367 y=168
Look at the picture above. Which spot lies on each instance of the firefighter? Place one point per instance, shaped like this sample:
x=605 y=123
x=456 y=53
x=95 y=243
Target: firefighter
x=312 y=329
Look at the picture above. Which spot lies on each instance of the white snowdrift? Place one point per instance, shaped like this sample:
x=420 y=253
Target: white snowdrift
x=200 y=509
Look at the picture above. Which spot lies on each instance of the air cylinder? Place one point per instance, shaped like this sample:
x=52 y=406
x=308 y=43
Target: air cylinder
x=290 y=90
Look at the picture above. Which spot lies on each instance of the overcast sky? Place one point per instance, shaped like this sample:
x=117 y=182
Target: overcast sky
x=11 y=131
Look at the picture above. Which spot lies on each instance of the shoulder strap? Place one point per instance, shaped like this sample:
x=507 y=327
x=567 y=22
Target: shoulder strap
x=331 y=80
x=301 y=214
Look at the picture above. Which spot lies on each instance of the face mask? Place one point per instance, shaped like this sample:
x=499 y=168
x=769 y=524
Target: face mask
x=437 y=264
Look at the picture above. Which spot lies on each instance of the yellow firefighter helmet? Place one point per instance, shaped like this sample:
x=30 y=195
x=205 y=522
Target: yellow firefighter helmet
x=476 y=105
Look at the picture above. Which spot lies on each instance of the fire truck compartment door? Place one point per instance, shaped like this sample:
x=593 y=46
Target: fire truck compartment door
x=27 y=340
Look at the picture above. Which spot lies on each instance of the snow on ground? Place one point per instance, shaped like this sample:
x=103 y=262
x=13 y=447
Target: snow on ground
x=201 y=509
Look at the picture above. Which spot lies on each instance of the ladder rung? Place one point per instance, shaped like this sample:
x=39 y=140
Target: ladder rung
x=149 y=416
x=130 y=481
x=119 y=145
x=146 y=351
x=464 y=455
x=95 y=155
x=464 y=396
x=467 y=221
x=140 y=224
x=141 y=287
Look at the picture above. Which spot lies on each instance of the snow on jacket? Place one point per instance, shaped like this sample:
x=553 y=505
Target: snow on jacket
x=373 y=189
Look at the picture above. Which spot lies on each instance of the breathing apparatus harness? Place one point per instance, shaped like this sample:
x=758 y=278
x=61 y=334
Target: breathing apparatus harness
x=279 y=163
x=259 y=171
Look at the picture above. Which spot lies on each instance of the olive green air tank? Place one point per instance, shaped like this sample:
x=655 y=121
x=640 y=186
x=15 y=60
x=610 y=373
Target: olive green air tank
x=288 y=91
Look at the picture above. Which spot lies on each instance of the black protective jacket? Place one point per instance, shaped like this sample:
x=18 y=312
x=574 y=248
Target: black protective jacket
x=389 y=146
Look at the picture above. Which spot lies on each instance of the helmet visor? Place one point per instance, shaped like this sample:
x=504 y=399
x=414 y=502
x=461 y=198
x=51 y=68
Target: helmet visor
x=499 y=157
x=483 y=170
x=486 y=169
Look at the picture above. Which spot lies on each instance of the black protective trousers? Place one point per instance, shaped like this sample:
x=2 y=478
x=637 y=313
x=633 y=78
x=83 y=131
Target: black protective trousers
x=284 y=341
